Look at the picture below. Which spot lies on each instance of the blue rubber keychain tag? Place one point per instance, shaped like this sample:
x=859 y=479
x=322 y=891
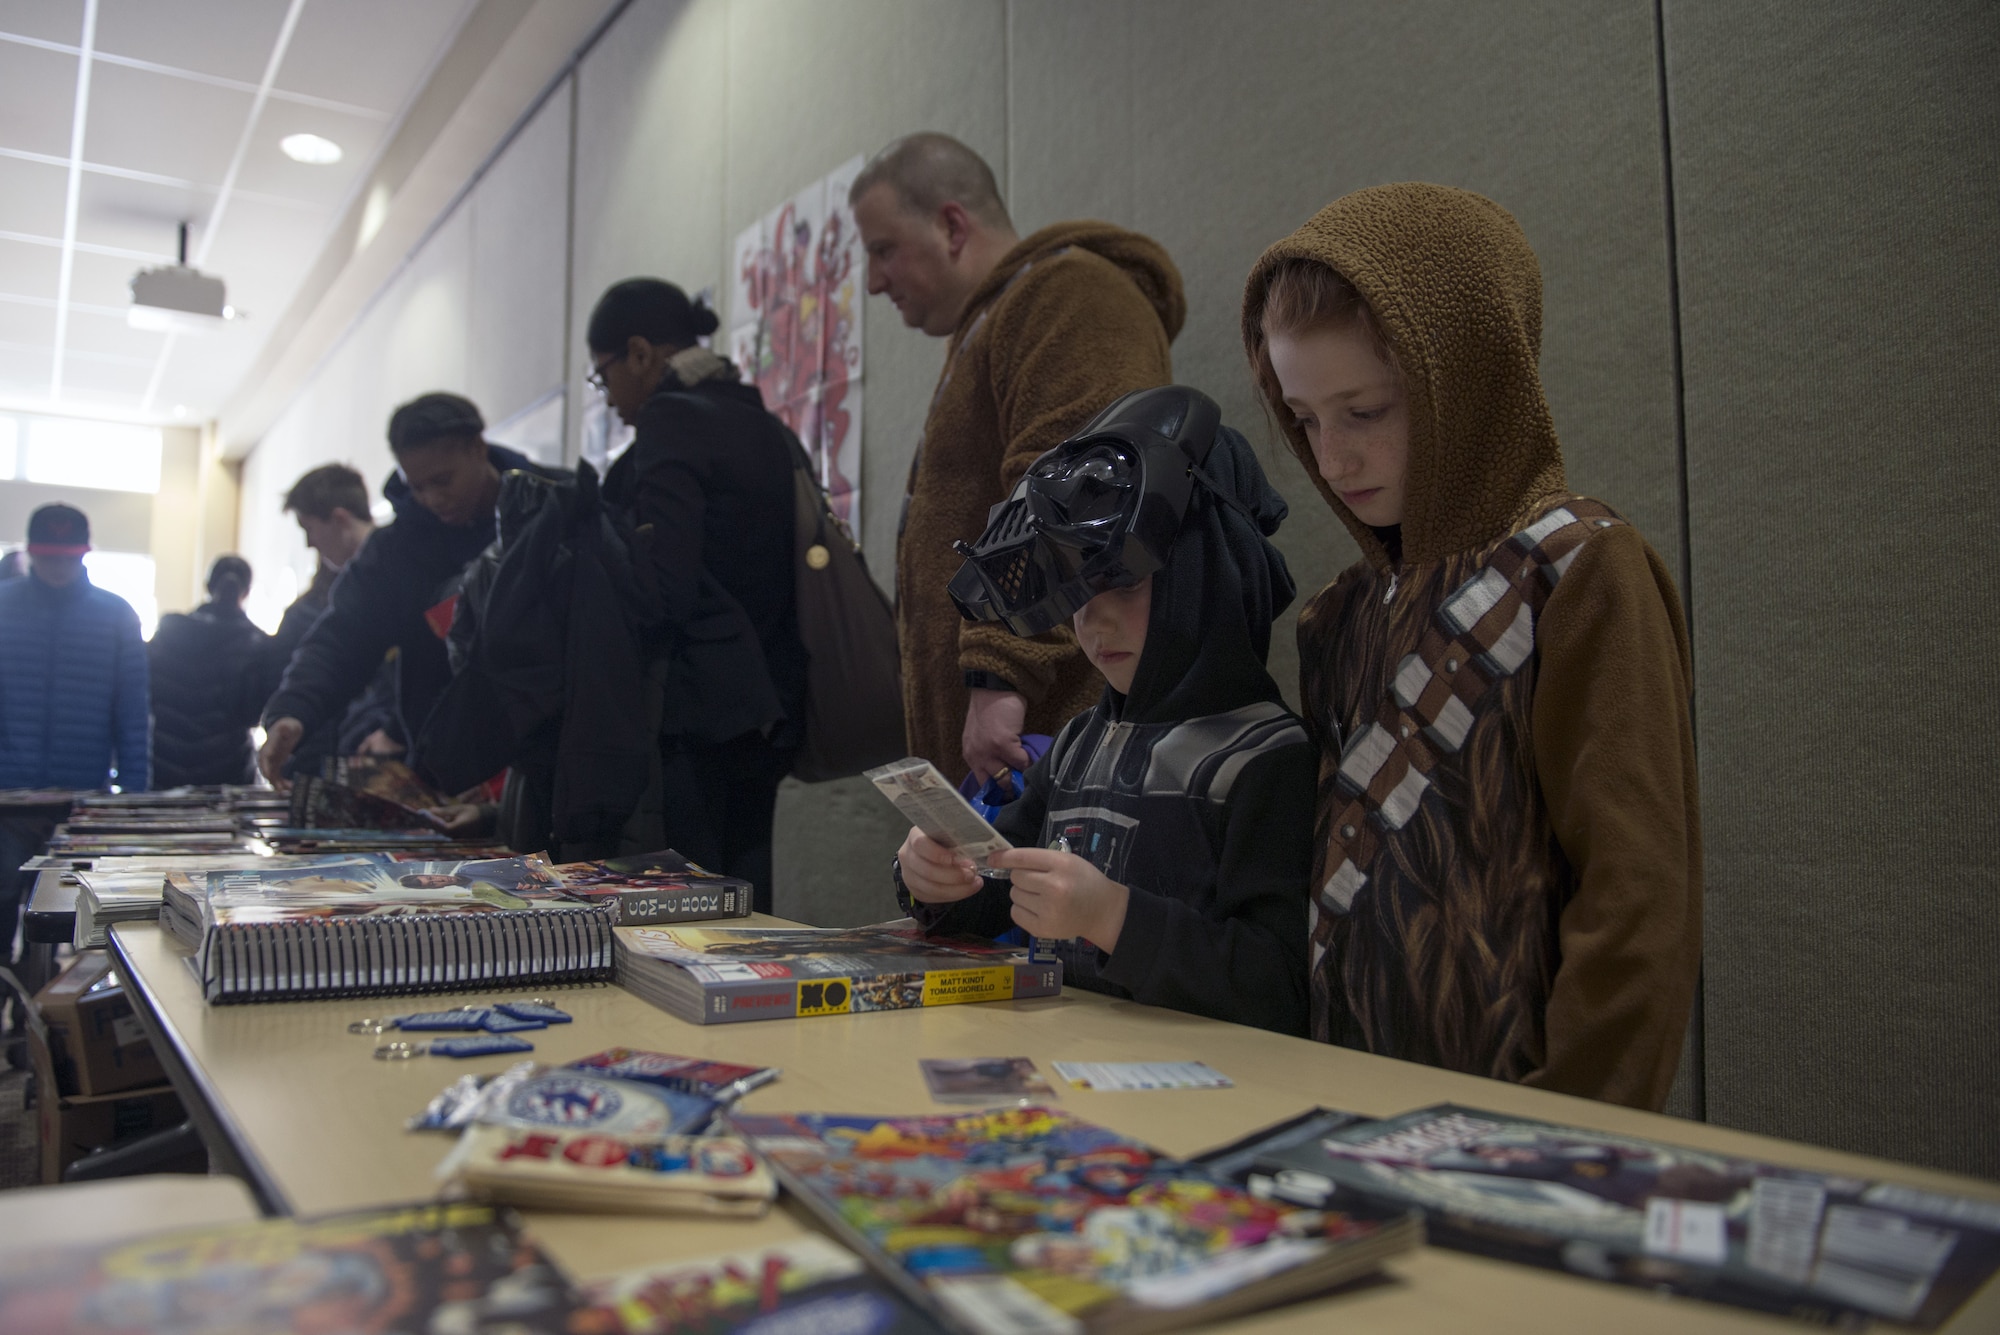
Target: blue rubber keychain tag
x=482 y=1045
x=471 y=1017
x=533 y=1010
x=499 y=1022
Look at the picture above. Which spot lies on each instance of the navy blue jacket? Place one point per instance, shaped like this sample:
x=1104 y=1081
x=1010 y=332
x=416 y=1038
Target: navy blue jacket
x=73 y=703
x=405 y=569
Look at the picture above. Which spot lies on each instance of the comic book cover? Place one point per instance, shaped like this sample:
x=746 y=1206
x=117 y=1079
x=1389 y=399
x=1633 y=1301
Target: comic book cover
x=382 y=776
x=362 y=885
x=555 y=1168
x=717 y=975
x=651 y=888
x=1706 y=1225
x=323 y=804
x=463 y=1268
x=801 y=1284
x=1027 y=1219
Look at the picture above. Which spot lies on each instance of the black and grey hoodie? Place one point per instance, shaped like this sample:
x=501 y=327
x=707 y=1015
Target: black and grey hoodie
x=1195 y=791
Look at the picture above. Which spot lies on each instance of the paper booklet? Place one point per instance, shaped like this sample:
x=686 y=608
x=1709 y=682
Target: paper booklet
x=718 y=975
x=360 y=925
x=652 y=888
x=1029 y=1220
x=1806 y=1245
x=556 y=1169
x=464 y=1268
x=803 y=1284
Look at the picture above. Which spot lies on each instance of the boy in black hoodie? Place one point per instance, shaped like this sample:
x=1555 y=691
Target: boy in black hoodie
x=1165 y=838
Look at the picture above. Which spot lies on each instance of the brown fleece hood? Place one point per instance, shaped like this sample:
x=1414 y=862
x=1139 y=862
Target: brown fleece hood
x=1458 y=294
x=1142 y=259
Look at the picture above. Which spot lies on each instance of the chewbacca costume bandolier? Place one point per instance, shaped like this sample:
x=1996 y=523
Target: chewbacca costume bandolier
x=1508 y=875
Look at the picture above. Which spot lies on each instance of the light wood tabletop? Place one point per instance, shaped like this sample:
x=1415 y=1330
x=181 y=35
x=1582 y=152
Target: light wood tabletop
x=318 y=1123
x=32 y=1218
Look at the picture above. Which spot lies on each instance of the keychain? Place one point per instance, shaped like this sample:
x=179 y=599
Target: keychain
x=505 y=1017
x=484 y=1046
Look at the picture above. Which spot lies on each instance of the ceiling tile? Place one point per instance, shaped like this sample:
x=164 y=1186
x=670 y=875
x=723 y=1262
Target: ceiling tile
x=263 y=252
x=104 y=336
x=85 y=377
x=25 y=374
x=232 y=38
x=50 y=20
x=268 y=170
x=171 y=127
x=137 y=215
x=29 y=271
x=37 y=99
x=32 y=325
x=368 y=52
x=32 y=197
x=101 y=280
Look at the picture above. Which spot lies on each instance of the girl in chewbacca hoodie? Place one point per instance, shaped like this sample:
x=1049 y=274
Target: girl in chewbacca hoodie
x=1507 y=874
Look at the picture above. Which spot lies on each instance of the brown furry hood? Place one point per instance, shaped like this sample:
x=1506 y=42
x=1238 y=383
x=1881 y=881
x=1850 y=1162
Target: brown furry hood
x=1458 y=294
x=1142 y=259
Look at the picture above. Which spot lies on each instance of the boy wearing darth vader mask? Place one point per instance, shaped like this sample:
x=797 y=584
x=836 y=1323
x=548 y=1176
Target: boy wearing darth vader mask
x=1164 y=840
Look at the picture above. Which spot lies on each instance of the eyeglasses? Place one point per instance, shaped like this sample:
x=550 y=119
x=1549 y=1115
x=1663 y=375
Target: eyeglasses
x=596 y=377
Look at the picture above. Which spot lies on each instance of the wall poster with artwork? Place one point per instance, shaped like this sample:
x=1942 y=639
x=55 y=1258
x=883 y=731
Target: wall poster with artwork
x=797 y=280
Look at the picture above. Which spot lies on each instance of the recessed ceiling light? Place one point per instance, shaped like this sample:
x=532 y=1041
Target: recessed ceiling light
x=310 y=149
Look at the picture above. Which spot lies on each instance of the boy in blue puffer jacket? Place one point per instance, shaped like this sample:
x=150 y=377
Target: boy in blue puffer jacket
x=73 y=705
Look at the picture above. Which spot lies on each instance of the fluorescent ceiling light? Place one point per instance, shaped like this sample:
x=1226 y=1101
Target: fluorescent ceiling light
x=310 y=149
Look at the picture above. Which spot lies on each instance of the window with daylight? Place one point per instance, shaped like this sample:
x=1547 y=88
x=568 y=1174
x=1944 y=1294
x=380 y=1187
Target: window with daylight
x=130 y=576
x=111 y=456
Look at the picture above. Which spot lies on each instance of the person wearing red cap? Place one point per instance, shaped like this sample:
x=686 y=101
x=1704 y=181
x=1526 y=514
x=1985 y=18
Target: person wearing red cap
x=74 y=711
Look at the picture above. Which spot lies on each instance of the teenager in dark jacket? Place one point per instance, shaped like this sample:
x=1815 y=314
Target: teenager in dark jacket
x=201 y=713
x=330 y=504
x=711 y=472
x=1165 y=838
x=399 y=591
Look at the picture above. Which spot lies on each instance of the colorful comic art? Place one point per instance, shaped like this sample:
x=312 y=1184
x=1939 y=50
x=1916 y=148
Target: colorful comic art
x=798 y=277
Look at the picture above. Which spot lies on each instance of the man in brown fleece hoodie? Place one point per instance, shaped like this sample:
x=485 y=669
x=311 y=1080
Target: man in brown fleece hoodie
x=1508 y=878
x=1043 y=333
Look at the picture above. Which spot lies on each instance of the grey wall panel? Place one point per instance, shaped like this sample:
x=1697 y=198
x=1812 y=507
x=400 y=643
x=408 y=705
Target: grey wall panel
x=649 y=154
x=1837 y=173
x=1245 y=119
x=520 y=251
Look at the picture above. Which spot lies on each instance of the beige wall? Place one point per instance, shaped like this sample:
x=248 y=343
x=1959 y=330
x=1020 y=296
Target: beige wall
x=1835 y=269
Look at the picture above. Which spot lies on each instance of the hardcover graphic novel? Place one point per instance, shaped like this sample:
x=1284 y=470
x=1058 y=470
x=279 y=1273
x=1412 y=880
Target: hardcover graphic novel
x=788 y=1288
x=718 y=975
x=654 y=888
x=462 y=1268
x=1735 y=1231
x=1026 y=1219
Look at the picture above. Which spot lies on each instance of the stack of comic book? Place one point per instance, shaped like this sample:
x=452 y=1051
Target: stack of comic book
x=1669 y=1218
x=718 y=975
x=1028 y=1219
x=354 y=926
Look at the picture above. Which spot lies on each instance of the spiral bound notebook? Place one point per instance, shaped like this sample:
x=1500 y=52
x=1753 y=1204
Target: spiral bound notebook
x=357 y=926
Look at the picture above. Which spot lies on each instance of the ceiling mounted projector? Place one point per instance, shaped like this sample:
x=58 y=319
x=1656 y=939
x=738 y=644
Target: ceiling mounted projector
x=175 y=299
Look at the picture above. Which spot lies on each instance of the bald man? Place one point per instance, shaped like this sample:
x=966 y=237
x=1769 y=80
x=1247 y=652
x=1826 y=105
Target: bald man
x=1041 y=333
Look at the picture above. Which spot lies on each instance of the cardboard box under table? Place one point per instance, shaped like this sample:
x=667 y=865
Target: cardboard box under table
x=316 y=1124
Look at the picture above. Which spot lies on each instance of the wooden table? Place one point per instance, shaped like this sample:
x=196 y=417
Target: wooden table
x=289 y=1098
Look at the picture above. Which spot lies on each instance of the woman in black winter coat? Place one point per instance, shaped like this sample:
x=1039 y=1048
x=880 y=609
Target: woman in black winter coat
x=202 y=663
